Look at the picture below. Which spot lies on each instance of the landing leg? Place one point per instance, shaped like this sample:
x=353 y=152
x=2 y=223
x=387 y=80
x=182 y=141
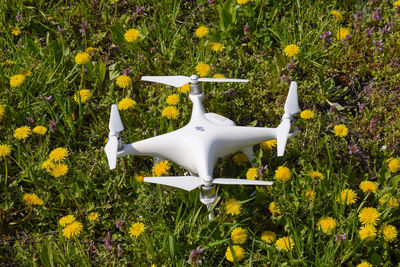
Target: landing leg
x=208 y=196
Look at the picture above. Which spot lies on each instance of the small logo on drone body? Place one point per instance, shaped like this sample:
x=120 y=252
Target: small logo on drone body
x=199 y=128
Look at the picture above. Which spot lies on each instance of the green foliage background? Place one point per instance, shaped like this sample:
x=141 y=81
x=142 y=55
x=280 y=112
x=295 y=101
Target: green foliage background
x=347 y=82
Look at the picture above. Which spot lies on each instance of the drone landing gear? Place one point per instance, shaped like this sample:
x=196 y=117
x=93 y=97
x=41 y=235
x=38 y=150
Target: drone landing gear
x=208 y=196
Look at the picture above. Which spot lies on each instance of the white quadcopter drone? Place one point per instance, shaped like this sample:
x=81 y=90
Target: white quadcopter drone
x=207 y=137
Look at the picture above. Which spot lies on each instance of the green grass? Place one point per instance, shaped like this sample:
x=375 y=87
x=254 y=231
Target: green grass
x=354 y=76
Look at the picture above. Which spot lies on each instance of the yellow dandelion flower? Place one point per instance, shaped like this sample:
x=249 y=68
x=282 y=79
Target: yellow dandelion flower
x=59 y=154
x=40 y=130
x=316 y=174
x=284 y=243
x=252 y=174
x=395 y=4
x=64 y=221
x=32 y=199
x=16 y=31
x=123 y=81
x=367 y=232
x=139 y=178
x=73 y=229
x=5 y=150
x=242 y=2
x=240 y=159
x=341 y=130
x=282 y=174
x=184 y=89
x=137 y=229
x=93 y=216
x=269 y=144
x=217 y=47
x=233 y=207
x=170 y=112
x=219 y=76
x=342 y=33
x=202 y=31
x=47 y=165
x=59 y=169
x=268 y=237
x=326 y=224
x=239 y=253
x=22 y=132
x=337 y=15
x=307 y=114
x=82 y=58
x=173 y=99
x=26 y=73
x=126 y=103
x=364 y=264
x=91 y=50
x=273 y=208
x=389 y=233
x=239 y=235
x=292 y=50
x=203 y=69
x=161 y=168
x=309 y=195
x=388 y=201
x=2 y=111
x=17 y=80
x=368 y=186
x=131 y=35
x=348 y=196
x=84 y=96
x=394 y=165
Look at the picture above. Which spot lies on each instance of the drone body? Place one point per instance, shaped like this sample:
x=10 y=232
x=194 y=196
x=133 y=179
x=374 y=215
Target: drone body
x=198 y=145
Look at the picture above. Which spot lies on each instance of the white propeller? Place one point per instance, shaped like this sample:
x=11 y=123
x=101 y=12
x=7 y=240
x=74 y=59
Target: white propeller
x=291 y=108
x=178 y=81
x=190 y=183
x=115 y=125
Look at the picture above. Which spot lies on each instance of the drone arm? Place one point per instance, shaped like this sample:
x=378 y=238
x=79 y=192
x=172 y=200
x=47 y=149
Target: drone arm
x=147 y=147
x=198 y=109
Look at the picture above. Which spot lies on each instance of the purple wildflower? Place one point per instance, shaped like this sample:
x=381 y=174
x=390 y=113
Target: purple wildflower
x=82 y=30
x=367 y=89
x=326 y=37
x=377 y=15
x=153 y=50
x=378 y=45
x=140 y=56
x=340 y=238
x=368 y=31
x=60 y=30
x=140 y=10
x=211 y=2
x=361 y=106
x=108 y=241
x=357 y=19
x=120 y=251
x=52 y=125
x=353 y=149
x=127 y=71
x=30 y=120
x=286 y=78
x=290 y=66
x=120 y=225
x=230 y=92
x=194 y=257
x=18 y=17
x=397 y=9
x=246 y=29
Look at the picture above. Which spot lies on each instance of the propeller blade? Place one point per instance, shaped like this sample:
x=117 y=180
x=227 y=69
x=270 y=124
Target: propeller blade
x=222 y=80
x=240 y=181
x=111 y=150
x=175 y=81
x=187 y=183
x=282 y=133
x=292 y=104
x=115 y=123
